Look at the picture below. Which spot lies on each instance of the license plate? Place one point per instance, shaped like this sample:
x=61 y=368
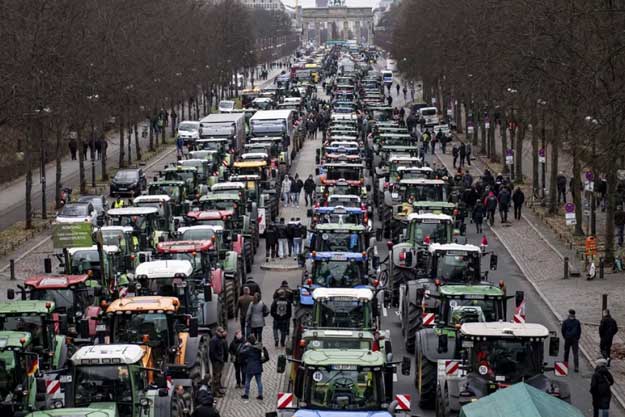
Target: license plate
x=65 y=379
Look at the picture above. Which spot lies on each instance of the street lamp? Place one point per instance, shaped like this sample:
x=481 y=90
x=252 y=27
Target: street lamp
x=92 y=99
x=512 y=92
x=543 y=163
x=592 y=221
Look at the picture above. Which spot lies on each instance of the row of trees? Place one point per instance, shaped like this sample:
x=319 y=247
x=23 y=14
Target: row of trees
x=556 y=68
x=72 y=65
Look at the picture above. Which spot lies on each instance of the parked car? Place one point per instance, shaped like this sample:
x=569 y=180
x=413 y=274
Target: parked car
x=128 y=182
x=77 y=213
x=99 y=204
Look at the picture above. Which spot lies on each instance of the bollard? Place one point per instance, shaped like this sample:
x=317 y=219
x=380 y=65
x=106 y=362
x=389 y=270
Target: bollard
x=604 y=302
x=12 y=268
x=566 y=267
x=601 y=267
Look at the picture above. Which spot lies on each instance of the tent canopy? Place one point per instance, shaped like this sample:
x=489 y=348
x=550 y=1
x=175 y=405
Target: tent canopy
x=520 y=400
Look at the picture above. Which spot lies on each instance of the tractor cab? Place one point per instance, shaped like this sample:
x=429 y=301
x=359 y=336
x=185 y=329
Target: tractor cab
x=87 y=261
x=341 y=215
x=350 y=308
x=187 y=174
x=419 y=230
x=203 y=167
x=337 y=237
x=452 y=262
x=145 y=223
x=334 y=270
x=163 y=204
x=176 y=190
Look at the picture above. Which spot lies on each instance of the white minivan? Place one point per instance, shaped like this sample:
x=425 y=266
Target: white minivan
x=428 y=116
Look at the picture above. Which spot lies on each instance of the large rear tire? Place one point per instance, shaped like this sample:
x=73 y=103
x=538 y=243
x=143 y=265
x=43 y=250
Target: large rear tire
x=398 y=277
x=411 y=322
x=425 y=381
x=200 y=367
x=231 y=297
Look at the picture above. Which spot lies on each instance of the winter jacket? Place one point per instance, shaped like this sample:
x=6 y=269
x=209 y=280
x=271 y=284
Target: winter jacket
x=281 y=310
x=281 y=231
x=216 y=350
x=571 y=328
x=607 y=329
x=467 y=180
x=561 y=182
x=286 y=185
x=252 y=357
x=490 y=202
x=235 y=349
x=463 y=150
x=504 y=198
x=518 y=197
x=454 y=151
x=244 y=303
x=298 y=185
x=600 y=387
x=478 y=214
x=256 y=315
x=309 y=185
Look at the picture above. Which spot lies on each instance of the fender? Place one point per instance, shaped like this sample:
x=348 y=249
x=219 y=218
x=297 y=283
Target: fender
x=191 y=350
x=427 y=342
x=92 y=313
x=237 y=244
x=59 y=346
x=217 y=280
x=230 y=263
x=403 y=247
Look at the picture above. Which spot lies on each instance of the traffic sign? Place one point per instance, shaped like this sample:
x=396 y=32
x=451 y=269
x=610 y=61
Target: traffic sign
x=428 y=319
x=285 y=400
x=452 y=367
x=570 y=219
x=403 y=402
x=589 y=176
x=541 y=156
x=569 y=208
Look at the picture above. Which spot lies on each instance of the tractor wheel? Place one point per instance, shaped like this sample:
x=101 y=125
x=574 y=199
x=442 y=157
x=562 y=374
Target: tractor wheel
x=398 y=277
x=248 y=254
x=242 y=274
x=200 y=367
x=411 y=323
x=425 y=381
x=231 y=297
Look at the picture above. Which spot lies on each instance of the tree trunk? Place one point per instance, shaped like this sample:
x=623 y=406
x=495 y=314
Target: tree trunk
x=611 y=179
x=518 y=152
x=484 y=150
x=457 y=114
x=163 y=134
x=535 y=184
x=28 y=162
x=58 y=156
x=137 y=143
x=129 y=141
x=503 y=132
x=122 y=150
x=81 y=163
x=575 y=190
x=553 y=175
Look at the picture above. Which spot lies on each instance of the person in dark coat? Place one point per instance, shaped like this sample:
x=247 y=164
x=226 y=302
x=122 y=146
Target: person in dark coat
x=253 y=355
x=478 y=217
x=571 y=332
x=462 y=151
x=504 y=204
x=607 y=329
x=234 y=349
x=243 y=304
x=309 y=189
x=561 y=186
x=518 y=198
x=271 y=242
x=73 y=148
x=290 y=234
x=217 y=354
x=600 y=384
x=490 y=204
x=454 y=153
x=281 y=312
x=619 y=223
x=205 y=401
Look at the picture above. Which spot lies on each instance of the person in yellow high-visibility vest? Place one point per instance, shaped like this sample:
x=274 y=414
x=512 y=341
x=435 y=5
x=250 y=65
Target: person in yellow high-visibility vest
x=119 y=203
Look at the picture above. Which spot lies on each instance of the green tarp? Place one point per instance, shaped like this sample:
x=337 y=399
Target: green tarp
x=520 y=400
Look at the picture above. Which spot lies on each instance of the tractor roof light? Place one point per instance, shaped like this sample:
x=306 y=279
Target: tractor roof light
x=302 y=343
x=309 y=282
x=437 y=282
x=376 y=283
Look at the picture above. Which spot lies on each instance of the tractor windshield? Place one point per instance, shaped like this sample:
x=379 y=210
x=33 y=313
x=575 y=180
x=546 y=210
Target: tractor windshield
x=180 y=175
x=133 y=328
x=344 y=189
x=343 y=389
x=8 y=377
x=219 y=205
x=439 y=232
x=33 y=324
x=114 y=238
x=63 y=298
x=338 y=274
x=345 y=218
x=418 y=192
x=515 y=359
x=171 y=190
x=350 y=174
x=459 y=311
x=338 y=242
x=198 y=261
x=94 y=384
x=457 y=266
x=343 y=313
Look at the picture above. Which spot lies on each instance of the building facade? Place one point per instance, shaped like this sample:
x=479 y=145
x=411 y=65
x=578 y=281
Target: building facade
x=274 y=5
x=337 y=22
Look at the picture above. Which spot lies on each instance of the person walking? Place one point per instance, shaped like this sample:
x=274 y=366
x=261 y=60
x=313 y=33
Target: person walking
x=290 y=293
x=270 y=242
x=468 y=151
x=285 y=189
x=389 y=100
x=255 y=320
x=398 y=87
x=600 y=384
x=454 y=153
x=607 y=329
x=283 y=242
x=296 y=188
x=309 y=189
x=490 y=204
x=253 y=355
x=297 y=237
x=290 y=235
x=73 y=148
x=234 y=349
x=478 y=216
x=217 y=354
x=243 y=304
x=405 y=90
x=619 y=223
x=462 y=152
x=571 y=332
x=205 y=401
x=504 y=204
x=518 y=198
x=561 y=186
x=179 y=146
x=281 y=312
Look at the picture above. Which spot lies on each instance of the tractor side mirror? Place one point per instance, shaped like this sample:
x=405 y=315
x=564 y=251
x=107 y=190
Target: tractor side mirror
x=47 y=265
x=405 y=365
x=10 y=293
x=493 y=262
x=554 y=346
x=443 y=343
x=193 y=327
x=281 y=364
x=208 y=293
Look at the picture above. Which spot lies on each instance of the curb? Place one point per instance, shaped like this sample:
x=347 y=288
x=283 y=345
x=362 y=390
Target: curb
x=280 y=268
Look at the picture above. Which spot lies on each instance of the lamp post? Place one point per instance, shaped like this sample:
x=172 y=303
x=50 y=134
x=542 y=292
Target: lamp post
x=512 y=92
x=92 y=99
x=592 y=220
x=542 y=103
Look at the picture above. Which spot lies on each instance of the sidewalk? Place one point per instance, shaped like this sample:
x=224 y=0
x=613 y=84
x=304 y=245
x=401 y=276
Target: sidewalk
x=231 y=405
x=540 y=255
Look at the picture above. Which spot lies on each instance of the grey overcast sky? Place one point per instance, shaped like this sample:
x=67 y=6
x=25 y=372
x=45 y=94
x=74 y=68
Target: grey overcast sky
x=353 y=3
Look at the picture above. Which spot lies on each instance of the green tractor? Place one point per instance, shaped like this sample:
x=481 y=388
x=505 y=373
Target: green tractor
x=116 y=381
x=176 y=190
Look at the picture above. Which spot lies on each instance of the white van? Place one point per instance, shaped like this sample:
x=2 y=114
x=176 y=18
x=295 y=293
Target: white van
x=428 y=116
x=387 y=77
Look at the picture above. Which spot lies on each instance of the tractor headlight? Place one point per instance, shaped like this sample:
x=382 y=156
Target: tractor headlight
x=57 y=404
x=145 y=402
